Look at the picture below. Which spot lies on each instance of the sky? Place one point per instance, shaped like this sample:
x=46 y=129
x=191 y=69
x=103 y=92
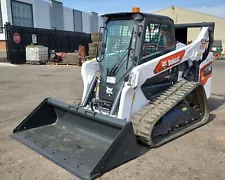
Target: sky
x=213 y=7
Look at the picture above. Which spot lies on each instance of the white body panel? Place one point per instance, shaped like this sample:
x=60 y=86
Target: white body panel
x=88 y=71
x=132 y=98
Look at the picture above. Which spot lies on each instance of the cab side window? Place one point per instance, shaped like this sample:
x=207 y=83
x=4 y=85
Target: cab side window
x=158 y=40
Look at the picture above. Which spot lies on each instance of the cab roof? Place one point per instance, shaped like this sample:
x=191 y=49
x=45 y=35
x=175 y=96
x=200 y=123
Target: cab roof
x=129 y=14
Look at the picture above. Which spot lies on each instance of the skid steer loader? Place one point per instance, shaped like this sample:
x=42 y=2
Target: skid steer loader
x=146 y=88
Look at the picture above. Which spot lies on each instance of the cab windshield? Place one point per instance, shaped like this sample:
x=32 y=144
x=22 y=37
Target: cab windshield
x=119 y=43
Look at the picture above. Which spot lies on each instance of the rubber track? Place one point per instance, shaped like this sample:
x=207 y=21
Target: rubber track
x=146 y=118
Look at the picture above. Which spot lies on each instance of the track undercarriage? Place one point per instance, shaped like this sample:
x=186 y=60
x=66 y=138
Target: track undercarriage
x=177 y=111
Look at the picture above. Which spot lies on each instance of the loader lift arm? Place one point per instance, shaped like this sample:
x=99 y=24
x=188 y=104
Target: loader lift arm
x=181 y=34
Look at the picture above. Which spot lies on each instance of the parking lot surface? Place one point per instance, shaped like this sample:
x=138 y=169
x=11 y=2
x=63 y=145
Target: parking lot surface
x=199 y=155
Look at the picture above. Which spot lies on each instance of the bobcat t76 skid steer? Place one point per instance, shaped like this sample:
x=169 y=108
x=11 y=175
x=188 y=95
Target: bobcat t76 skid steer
x=147 y=86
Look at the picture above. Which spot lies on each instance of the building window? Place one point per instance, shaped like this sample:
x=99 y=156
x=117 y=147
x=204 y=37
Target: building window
x=22 y=14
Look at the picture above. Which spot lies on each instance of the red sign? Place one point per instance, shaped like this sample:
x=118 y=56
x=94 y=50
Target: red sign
x=16 y=38
x=170 y=61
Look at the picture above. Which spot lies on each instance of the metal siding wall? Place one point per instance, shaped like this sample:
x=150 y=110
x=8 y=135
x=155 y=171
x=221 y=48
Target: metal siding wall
x=57 y=15
x=100 y=22
x=86 y=22
x=77 y=17
x=94 y=22
x=43 y=15
x=68 y=19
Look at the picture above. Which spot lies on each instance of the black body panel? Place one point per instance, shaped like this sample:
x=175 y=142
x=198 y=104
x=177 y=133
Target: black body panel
x=194 y=25
x=181 y=114
x=108 y=91
x=156 y=85
x=155 y=89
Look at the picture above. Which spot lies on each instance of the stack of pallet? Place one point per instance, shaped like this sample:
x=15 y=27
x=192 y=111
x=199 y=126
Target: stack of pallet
x=96 y=43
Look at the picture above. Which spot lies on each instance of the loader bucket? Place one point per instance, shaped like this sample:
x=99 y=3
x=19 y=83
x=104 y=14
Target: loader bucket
x=84 y=143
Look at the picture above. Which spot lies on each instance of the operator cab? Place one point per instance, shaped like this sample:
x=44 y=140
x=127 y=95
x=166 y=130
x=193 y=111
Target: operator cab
x=130 y=39
x=152 y=33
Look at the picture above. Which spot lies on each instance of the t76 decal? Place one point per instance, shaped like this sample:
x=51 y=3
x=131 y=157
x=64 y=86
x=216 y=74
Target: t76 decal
x=169 y=61
x=205 y=73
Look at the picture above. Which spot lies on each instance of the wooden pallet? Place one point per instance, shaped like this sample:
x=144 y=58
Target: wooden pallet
x=35 y=62
x=61 y=64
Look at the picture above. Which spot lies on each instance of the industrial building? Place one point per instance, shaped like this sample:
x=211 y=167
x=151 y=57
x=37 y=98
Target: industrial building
x=181 y=15
x=49 y=14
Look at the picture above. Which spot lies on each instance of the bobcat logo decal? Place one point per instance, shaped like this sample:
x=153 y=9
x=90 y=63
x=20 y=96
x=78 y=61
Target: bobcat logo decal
x=169 y=61
x=109 y=91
